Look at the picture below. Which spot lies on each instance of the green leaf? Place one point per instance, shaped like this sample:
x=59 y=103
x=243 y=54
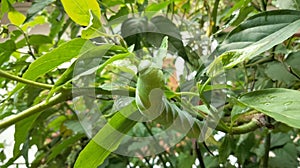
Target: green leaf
x=151 y=33
x=211 y=161
x=262 y=28
x=94 y=29
x=122 y=12
x=293 y=61
x=131 y=28
x=278 y=72
x=225 y=148
x=57 y=23
x=113 y=132
x=244 y=146
x=153 y=8
x=6 y=49
x=4 y=7
x=79 y=10
x=74 y=125
x=237 y=6
x=157 y=6
x=36 y=7
x=57 y=149
x=237 y=110
x=22 y=129
x=110 y=3
x=165 y=27
x=38 y=39
x=281 y=104
x=38 y=20
x=16 y=17
x=95 y=52
x=279 y=140
x=243 y=14
x=2 y=156
x=51 y=60
x=257 y=34
x=186 y=160
x=162 y=52
x=285 y=157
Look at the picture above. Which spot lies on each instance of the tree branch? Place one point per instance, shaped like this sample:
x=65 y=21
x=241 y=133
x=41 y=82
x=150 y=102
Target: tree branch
x=6 y=122
x=25 y=81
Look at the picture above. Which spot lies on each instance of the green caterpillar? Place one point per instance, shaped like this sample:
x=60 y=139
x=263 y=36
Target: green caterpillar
x=149 y=91
x=154 y=106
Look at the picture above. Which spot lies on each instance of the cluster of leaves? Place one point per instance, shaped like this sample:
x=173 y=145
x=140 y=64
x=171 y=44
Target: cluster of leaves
x=91 y=55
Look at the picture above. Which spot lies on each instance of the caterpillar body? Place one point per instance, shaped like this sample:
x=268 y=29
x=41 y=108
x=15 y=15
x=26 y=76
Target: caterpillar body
x=154 y=106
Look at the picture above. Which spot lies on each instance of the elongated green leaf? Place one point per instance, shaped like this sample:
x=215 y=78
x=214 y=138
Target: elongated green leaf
x=153 y=8
x=51 y=60
x=78 y=10
x=56 y=150
x=36 y=7
x=158 y=6
x=281 y=104
x=236 y=6
x=263 y=27
x=22 y=129
x=98 y=52
x=225 y=148
x=107 y=139
x=256 y=35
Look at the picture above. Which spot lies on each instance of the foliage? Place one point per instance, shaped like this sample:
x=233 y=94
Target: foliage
x=101 y=90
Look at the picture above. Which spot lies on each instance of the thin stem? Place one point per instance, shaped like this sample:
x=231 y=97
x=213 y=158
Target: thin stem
x=203 y=99
x=246 y=77
x=132 y=9
x=261 y=61
x=267 y=149
x=256 y=6
x=25 y=81
x=191 y=109
x=173 y=6
x=263 y=5
x=208 y=150
x=6 y=122
x=91 y=90
x=214 y=16
x=201 y=90
x=267 y=146
x=291 y=71
x=26 y=39
x=148 y=162
x=106 y=7
x=199 y=156
x=207 y=7
x=253 y=81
